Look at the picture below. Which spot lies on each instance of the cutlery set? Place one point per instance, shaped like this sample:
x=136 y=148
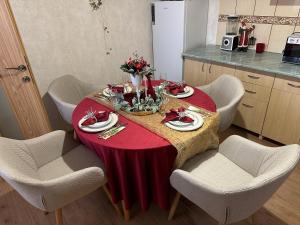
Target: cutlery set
x=111 y=131
x=102 y=97
x=203 y=113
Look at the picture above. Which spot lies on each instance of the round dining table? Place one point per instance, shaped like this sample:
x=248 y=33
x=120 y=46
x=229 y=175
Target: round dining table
x=136 y=161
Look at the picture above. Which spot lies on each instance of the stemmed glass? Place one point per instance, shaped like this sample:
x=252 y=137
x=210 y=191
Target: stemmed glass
x=125 y=81
x=165 y=101
x=163 y=77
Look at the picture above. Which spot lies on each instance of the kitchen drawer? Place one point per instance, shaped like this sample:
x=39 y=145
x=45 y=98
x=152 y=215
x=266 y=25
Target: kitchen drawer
x=257 y=92
x=251 y=114
x=255 y=78
x=287 y=85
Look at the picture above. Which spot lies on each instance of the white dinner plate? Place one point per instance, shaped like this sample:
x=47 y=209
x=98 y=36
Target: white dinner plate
x=188 y=91
x=114 y=119
x=198 y=122
x=100 y=124
x=107 y=92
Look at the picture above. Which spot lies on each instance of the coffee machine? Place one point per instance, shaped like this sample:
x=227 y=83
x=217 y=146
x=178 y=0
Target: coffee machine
x=230 y=40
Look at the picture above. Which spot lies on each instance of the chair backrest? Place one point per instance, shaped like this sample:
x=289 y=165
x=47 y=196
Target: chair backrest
x=67 y=91
x=19 y=169
x=273 y=171
x=227 y=91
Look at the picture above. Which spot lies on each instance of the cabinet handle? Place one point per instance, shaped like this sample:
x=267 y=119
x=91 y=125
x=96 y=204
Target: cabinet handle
x=203 y=67
x=248 y=106
x=251 y=92
x=253 y=77
x=293 y=85
x=209 y=68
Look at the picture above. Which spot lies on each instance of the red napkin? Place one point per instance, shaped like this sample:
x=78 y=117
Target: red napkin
x=99 y=117
x=175 y=89
x=116 y=89
x=173 y=115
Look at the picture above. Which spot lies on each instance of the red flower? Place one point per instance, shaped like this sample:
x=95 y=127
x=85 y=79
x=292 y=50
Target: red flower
x=139 y=66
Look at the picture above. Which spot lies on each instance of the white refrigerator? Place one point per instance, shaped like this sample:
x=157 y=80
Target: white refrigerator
x=176 y=26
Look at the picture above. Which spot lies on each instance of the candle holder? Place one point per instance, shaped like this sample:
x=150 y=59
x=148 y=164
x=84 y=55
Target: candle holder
x=140 y=104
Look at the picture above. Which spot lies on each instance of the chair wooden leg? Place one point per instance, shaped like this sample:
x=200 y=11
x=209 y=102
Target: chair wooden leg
x=125 y=211
x=58 y=217
x=250 y=220
x=174 y=206
x=75 y=137
x=116 y=206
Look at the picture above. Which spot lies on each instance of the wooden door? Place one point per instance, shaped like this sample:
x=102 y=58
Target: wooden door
x=17 y=79
x=195 y=72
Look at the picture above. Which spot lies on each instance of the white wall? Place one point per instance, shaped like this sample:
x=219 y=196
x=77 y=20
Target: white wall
x=212 y=23
x=8 y=124
x=67 y=37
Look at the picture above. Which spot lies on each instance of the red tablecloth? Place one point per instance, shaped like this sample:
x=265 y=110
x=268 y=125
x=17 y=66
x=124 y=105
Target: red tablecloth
x=137 y=162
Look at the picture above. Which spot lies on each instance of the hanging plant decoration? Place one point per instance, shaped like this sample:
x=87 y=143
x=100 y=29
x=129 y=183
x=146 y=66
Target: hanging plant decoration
x=95 y=4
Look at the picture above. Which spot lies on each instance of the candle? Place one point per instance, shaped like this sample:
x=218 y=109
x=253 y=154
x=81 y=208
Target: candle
x=146 y=87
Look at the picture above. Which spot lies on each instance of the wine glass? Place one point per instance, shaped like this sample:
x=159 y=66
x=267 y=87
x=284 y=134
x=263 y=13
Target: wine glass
x=165 y=101
x=125 y=81
x=163 y=77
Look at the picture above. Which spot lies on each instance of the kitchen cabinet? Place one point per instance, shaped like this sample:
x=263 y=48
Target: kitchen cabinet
x=198 y=73
x=216 y=70
x=282 y=122
x=270 y=106
x=195 y=72
x=251 y=114
x=264 y=80
x=257 y=92
x=252 y=109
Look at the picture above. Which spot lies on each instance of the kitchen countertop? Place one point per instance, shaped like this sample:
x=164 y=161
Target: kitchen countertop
x=266 y=62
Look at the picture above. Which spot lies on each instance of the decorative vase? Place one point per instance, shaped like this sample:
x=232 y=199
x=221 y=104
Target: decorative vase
x=136 y=80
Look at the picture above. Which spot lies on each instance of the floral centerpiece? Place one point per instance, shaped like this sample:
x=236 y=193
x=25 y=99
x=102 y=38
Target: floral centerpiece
x=137 y=66
x=143 y=102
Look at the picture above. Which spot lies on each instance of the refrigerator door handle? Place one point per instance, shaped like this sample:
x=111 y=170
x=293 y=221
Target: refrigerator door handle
x=153 y=13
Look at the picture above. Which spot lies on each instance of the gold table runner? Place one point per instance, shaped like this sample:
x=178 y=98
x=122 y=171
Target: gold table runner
x=188 y=143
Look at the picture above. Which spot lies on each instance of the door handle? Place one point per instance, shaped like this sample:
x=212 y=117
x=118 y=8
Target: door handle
x=21 y=68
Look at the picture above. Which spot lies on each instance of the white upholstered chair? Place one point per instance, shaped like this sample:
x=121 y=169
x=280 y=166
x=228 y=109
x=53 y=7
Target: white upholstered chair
x=51 y=171
x=234 y=182
x=227 y=92
x=67 y=91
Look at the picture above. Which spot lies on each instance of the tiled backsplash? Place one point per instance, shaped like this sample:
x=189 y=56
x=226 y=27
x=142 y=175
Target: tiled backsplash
x=274 y=20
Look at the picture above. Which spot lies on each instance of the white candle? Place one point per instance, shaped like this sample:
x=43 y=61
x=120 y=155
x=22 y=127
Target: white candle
x=146 y=87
